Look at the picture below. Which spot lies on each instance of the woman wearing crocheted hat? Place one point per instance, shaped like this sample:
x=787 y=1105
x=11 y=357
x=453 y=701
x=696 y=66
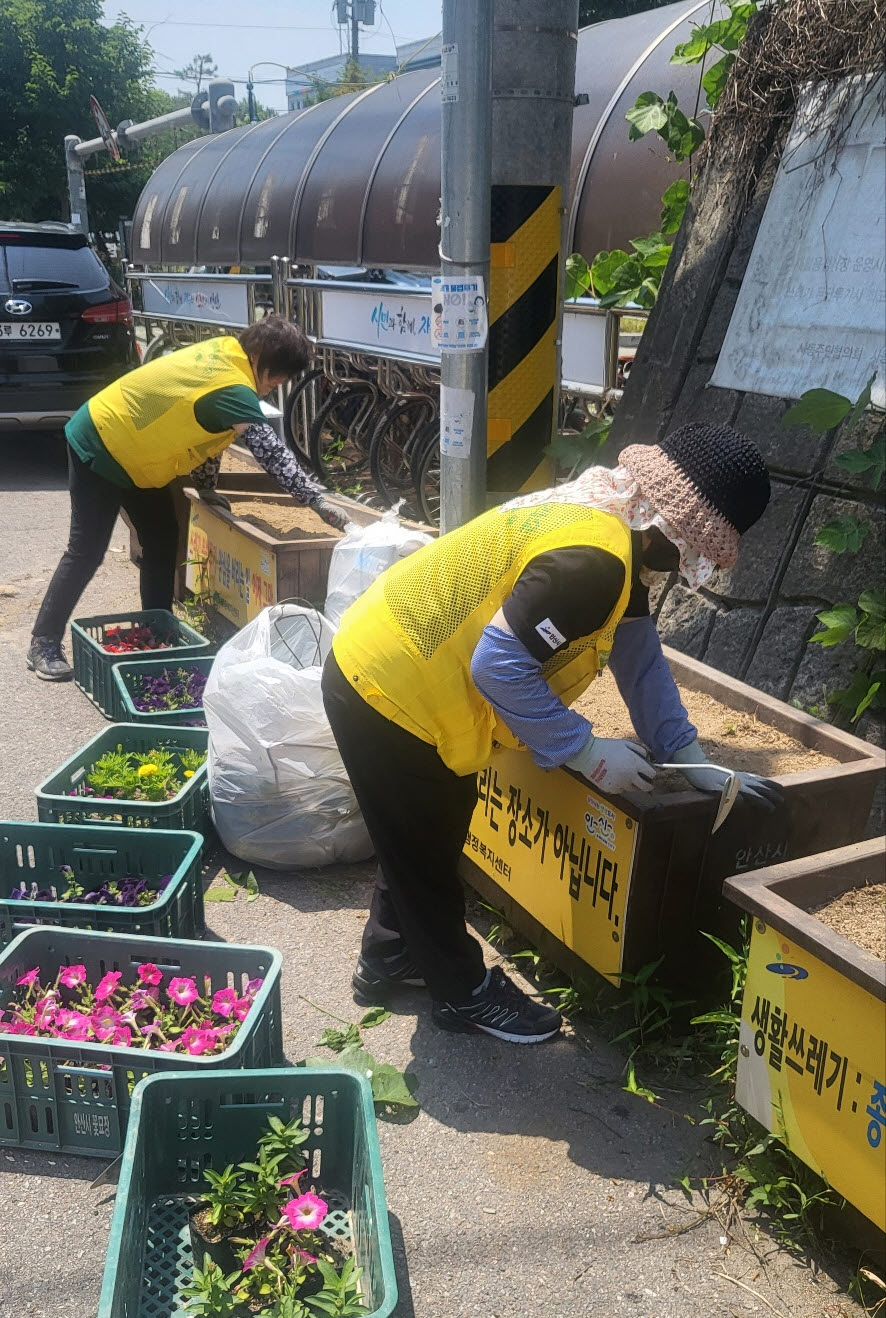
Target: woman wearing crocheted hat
x=483 y=640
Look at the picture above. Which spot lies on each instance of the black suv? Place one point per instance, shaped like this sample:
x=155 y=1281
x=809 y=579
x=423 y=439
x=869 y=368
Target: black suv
x=65 y=326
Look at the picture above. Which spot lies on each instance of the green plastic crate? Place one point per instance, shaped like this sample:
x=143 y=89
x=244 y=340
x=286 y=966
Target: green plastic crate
x=52 y=1096
x=35 y=853
x=61 y=799
x=125 y=676
x=93 y=664
x=183 y=1124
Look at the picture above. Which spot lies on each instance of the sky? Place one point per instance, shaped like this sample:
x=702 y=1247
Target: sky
x=239 y=35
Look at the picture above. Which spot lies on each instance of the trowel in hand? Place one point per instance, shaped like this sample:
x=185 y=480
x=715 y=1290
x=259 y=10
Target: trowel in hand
x=728 y=792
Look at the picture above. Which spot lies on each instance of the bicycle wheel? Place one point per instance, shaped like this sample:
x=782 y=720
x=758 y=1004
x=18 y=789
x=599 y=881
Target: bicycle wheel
x=159 y=346
x=340 y=435
x=301 y=407
x=391 y=448
x=426 y=474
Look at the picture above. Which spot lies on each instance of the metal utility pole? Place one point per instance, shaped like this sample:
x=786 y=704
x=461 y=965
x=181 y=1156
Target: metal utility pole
x=464 y=248
x=533 y=89
x=355 y=34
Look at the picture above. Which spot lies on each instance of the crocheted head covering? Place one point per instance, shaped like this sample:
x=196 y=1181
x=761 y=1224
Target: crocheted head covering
x=707 y=481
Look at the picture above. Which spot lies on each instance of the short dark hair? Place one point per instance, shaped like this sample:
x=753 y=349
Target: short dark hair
x=276 y=345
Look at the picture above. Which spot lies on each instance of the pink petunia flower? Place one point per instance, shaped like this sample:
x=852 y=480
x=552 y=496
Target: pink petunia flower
x=72 y=976
x=257 y=1254
x=304 y=1255
x=183 y=991
x=152 y=1031
x=149 y=974
x=71 y=1025
x=241 y=1008
x=253 y=987
x=294 y=1178
x=17 y=1027
x=224 y=1001
x=122 y=1037
x=169 y=1047
x=107 y=985
x=29 y=977
x=143 y=998
x=104 y=1022
x=304 y=1213
x=200 y=1042
x=45 y=1008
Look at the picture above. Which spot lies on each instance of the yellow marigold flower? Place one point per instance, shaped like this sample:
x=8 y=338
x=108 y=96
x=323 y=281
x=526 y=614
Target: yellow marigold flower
x=145 y=770
x=189 y=773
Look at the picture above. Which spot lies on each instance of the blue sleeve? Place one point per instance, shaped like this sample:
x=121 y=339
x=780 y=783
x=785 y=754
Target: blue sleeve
x=506 y=675
x=648 y=689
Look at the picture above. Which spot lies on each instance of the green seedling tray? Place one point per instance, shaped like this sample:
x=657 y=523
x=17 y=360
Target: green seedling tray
x=183 y=1124
x=61 y=799
x=76 y=1097
x=93 y=664
x=35 y=853
x=125 y=676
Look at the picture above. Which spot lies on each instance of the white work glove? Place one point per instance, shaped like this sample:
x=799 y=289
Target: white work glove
x=614 y=765
x=752 y=787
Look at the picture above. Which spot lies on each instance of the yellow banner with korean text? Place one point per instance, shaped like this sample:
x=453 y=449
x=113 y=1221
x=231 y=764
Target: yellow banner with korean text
x=561 y=851
x=812 y=1066
x=222 y=562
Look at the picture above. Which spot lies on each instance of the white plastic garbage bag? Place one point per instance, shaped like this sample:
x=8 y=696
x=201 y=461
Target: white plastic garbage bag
x=362 y=554
x=280 y=793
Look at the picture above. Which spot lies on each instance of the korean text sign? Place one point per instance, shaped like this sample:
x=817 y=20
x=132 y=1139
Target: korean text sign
x=223 y=561
x=564 y=854
x=812 y=1066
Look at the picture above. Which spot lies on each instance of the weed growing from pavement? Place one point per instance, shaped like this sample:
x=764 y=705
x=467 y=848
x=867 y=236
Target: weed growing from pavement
x=759 y=1171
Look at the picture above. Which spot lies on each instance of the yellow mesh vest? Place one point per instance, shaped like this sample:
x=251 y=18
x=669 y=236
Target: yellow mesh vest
x=146 y=418
x=406 y=644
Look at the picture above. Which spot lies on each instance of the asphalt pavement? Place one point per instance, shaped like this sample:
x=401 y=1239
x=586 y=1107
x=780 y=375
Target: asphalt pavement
x=529 y=1186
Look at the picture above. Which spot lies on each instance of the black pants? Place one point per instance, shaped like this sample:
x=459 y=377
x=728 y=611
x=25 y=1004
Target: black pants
x=418 y=813
x=95 y=506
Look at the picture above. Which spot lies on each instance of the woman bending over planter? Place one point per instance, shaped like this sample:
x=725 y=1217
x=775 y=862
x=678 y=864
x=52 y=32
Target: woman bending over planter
x=171 y=417
x=482 y=640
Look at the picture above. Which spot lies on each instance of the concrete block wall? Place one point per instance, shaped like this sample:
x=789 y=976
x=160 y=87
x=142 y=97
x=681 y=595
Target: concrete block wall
x=756 y=621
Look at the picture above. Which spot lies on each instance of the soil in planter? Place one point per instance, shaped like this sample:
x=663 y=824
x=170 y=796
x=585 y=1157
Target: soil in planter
x=736 y=740
x=232 y=462
x=283 y=521
x=860 y=916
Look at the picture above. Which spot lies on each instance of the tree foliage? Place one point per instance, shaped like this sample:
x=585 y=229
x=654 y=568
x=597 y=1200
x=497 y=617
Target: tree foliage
x=55 y=54
x=202 y=68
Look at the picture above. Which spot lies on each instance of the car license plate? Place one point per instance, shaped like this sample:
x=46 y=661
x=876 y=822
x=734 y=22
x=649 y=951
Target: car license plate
x=30 y=331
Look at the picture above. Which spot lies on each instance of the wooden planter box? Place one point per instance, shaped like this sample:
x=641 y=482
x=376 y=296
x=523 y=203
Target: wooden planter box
x=613 y=883
x=812 y=1047
x=246 y=568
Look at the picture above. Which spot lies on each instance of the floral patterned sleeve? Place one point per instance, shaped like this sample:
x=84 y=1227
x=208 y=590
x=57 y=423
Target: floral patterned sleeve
x=205 y=477
x=278 y=461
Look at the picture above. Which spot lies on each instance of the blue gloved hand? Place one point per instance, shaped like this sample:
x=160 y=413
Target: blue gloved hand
x=614 y=765
x=761 y=791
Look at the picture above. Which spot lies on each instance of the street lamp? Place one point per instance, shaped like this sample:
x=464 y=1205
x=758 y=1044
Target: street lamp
x=250 y=86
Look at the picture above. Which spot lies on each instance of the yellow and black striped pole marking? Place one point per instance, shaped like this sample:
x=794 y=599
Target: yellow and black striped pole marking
x=523 y=297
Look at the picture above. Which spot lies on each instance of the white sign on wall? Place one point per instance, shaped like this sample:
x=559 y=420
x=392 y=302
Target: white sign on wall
x=193 y=299
x=584 y=348
x=812 y=306
x=377 y=320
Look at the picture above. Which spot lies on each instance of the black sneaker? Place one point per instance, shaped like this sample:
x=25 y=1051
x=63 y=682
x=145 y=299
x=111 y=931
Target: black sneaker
x=502 y=1010
x=376 y=980
x=48 y=660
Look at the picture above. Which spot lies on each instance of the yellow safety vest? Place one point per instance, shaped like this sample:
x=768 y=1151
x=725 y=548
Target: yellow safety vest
x=406 y=644
x=146 y=418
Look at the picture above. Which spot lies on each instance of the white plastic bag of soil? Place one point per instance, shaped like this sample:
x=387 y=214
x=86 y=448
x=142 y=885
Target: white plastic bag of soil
x=362 y=554
x=280 y=793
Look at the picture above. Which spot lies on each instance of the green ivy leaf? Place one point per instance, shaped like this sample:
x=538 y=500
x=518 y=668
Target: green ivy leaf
x=839 y=623
x=648 y=114
x=220 y=893
x=604 y=268
x=864 y=690
x=845 y=534
x=858 y=461
x=578 y=277
x=817 y=409
x=866 y=700
x=375 y=1016
x=714 y=80
x=575 y=453
x=871 y=630
x=674 y=202
x=692 y=51
x=690 y=141
x=862 y=403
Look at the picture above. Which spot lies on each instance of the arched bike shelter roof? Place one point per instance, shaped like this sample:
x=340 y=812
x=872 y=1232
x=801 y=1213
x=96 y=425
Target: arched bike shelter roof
x=355 y=180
